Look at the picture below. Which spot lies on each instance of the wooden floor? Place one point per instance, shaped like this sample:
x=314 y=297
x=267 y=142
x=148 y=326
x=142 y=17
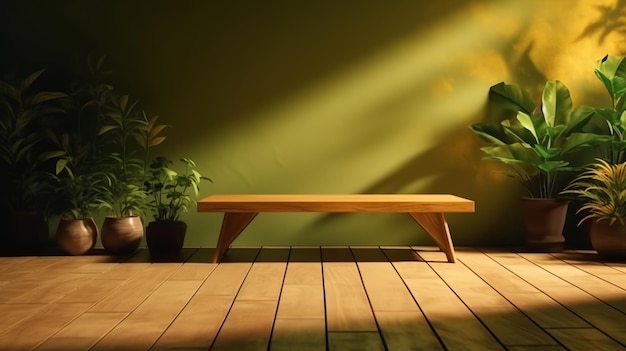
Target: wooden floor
x=335 y=298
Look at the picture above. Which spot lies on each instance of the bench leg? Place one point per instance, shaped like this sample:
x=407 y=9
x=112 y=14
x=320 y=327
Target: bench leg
x=232 y=225
x=436 y=226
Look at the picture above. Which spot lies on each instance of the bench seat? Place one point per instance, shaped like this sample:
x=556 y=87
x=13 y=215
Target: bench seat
x=426 y=209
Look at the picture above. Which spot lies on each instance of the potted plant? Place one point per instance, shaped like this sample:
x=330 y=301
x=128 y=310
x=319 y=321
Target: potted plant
x=602 y=190
x=78 y=184
x=537 y=145
x=172 y=194
x=25 y=111
x=127 y=136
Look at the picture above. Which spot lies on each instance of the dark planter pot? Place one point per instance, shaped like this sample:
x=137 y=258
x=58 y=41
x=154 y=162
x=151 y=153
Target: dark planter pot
x=77 y=236
x=544 y=220
x=121 y=235
x=166 y=237
x=29 y=230
x=609 y=240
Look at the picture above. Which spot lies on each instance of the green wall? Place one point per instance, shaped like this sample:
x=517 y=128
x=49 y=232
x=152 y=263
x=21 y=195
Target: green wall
x=327 y=96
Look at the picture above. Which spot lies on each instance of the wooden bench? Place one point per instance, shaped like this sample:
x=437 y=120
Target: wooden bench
x=426 y=209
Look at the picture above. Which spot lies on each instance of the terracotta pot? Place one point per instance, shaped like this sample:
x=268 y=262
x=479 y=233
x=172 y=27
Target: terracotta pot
x=121 y=235
x=165 y=237
x=29 y=230
x=544 y=220
x=609 y=240
x=77 y=236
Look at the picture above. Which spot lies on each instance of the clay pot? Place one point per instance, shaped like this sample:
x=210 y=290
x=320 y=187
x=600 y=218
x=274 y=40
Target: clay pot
x=165 y=237
x=544 y=220
x=609 y=240
x=77 y=236
x=121 y=235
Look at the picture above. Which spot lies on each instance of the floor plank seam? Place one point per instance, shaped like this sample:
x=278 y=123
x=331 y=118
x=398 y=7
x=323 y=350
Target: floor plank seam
x=426 y=318
x=369 y=301
x=509 y=301
x=183 y=307
x=217 y=333
x=586 y=320
x=321 y=255
x=280 y=293
x=430 y=265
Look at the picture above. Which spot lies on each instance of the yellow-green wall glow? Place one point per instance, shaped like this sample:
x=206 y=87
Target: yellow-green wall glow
x=329 y=96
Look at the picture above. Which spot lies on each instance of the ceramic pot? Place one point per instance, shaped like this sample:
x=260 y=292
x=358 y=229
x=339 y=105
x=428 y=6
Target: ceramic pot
x=121 y=235
x=77 y=236
x=165 y=237
x=544 y=220
x=609 y=240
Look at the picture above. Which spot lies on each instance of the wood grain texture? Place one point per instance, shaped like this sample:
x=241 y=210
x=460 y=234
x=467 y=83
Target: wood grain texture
x=426 y=209
x=347 y=306
x=335 y=203
x=508 y=324
x=315 y=299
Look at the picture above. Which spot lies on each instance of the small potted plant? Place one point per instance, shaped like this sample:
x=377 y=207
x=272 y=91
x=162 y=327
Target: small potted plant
x=171 y=194
x=602 y=190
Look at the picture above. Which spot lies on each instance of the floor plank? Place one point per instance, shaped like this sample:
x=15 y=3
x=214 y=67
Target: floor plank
x=144 y=325
x=347 y=305
x=300 y=320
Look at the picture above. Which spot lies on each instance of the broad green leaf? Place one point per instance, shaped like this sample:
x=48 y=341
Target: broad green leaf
x=556 y=103
x=512 y=97
x=611 y=71
x=582 y=140
x=514 y=129
x=514 y=152
x=579 y=119
x=527 y=122
x=551 y=166
x=547 y=153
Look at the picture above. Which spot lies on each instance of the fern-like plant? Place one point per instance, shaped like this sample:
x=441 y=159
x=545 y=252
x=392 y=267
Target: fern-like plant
x=602 y=188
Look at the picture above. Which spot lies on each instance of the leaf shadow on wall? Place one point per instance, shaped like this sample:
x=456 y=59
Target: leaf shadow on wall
x=611 y=20
x=446 y=168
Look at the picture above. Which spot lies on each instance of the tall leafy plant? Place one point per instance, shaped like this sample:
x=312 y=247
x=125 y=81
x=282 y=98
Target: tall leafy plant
x=611 y=71
x=78 y=180
x=128 y=135
x=25 y=112
x=536 y=143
